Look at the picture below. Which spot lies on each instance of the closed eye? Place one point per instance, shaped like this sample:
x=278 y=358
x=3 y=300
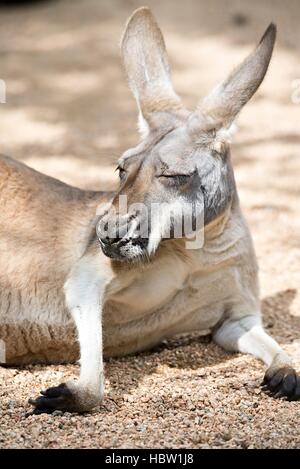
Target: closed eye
x=122 y=172
x=176 y=178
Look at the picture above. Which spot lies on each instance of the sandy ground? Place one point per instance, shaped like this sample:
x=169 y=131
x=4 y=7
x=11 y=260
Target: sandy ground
x=70 y=114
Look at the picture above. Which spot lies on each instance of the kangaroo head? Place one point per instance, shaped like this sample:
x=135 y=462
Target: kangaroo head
x=180 y=176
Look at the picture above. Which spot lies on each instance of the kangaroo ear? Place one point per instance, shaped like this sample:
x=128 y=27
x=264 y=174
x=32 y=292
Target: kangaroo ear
x=221 y=107
x=146 y=64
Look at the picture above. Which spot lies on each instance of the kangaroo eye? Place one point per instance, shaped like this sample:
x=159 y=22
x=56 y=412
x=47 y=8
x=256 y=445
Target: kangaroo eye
x=122 y=172
x=178 y=179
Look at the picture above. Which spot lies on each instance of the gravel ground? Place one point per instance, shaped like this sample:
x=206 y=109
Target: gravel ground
x=187 y=393
x=74 y=115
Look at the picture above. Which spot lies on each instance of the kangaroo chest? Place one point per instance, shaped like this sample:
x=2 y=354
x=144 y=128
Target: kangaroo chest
x=138 y=293
x=170 y=296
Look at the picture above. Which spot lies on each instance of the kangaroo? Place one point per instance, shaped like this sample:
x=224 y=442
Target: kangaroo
x=127 y=289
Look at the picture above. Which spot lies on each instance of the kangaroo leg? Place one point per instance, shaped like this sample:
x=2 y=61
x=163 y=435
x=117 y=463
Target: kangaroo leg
x=247 y=335
x=84 y=296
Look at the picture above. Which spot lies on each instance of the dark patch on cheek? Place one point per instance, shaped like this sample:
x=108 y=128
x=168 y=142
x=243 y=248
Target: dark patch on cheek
x=192 y=193
x=218 y=192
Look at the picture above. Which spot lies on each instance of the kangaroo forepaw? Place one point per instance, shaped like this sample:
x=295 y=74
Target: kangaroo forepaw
x=67 y=397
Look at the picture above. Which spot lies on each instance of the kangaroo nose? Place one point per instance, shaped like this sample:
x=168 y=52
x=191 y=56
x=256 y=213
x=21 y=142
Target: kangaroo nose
x=109 y=241
x=113 y=238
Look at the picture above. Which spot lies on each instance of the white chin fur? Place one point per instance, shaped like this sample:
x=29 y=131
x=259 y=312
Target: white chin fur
x=131 y=251
x=161 y=223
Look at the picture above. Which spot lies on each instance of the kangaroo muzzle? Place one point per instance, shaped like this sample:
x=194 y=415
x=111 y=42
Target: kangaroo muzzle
x=120 y=237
